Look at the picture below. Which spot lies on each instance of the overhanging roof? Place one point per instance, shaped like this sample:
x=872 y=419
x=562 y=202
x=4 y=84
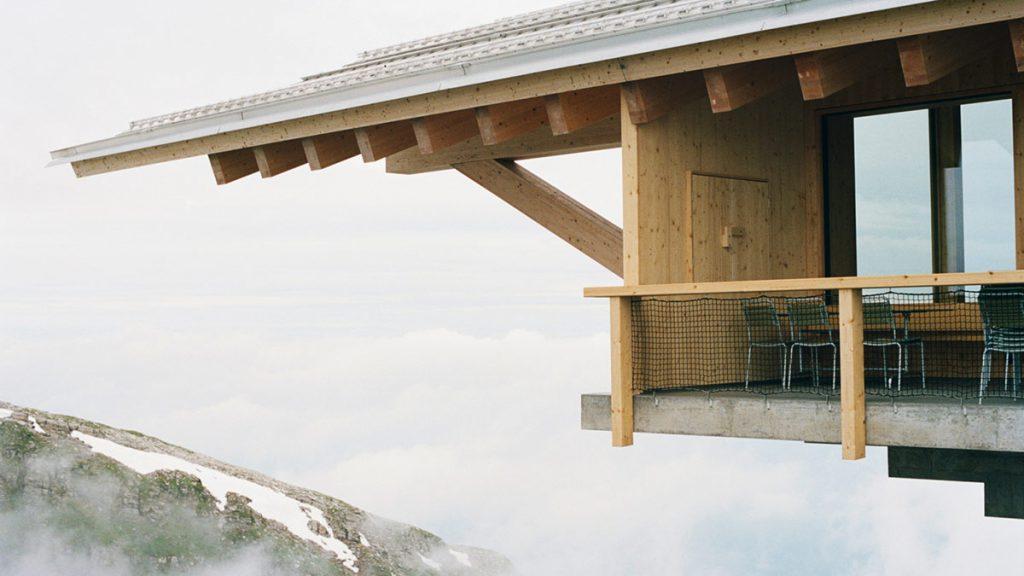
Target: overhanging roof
x=575 y=34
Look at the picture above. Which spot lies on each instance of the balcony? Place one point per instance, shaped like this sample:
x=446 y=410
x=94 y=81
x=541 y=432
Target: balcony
x=925 y=361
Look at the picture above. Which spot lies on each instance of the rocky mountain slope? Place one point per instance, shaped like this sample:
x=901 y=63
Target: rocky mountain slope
x=79 y=497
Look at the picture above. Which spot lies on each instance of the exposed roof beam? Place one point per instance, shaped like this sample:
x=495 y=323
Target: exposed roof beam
x=1017 y=38
x=826 y=72
x=539 y=143
x=548 y=206
x=869 y=27
x=929 y=57
x=731 y=87
x=570 y=111
x=230 y=166
x=383 y=140
x=648 y=100
x=274 y=159
x=435 y=133
x=503 y=122
x=329 y=149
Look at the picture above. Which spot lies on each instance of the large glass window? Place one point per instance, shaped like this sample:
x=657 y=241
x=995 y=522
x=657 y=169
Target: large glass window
x=921 y=190
x=987 y=129
x=893 y=198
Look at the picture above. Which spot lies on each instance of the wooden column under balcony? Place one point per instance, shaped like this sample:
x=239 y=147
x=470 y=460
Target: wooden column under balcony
x=851 y=374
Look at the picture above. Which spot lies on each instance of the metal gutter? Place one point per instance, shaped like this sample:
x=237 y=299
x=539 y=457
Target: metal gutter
x=479 y=72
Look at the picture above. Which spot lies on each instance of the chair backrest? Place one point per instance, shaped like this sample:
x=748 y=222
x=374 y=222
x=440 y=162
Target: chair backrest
x=762 y=320
x=1002 y=307
x=808 y=313
x=878 y=313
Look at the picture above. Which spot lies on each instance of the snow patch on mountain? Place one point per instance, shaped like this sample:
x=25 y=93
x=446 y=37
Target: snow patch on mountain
x=5 y=413
x=462 y=557
x=295 y=516
x=431 y=563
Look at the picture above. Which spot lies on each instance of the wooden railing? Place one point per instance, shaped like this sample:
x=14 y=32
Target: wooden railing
x=851 y=334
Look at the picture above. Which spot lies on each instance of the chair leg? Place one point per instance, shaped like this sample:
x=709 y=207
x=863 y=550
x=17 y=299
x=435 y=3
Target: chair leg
x=746 y=376
x=835 y=369
x=885 y=369
x=787 y=361
x=924 y=385
x=986 y=368
x=1006 y=372
x=899 y=367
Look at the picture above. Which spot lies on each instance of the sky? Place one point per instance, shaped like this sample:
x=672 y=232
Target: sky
x=408 y=344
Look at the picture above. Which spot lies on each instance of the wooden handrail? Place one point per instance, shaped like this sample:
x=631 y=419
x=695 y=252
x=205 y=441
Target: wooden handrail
x=799 y=284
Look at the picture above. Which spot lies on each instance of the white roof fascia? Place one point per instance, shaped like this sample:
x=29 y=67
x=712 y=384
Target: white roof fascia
x=478 y=72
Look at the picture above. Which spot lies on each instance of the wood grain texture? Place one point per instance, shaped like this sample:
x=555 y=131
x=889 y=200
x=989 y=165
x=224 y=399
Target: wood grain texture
x=570 y=111
x=381 y=141
x=329 y=149
x=502 y=122
x=811 y=284
x=927 y=58
x=826 y=72
x=581 y=227
x=230 y=166
x=882 y=25
x=648 y=100
x=441 y=131
x=537 y=144
x=622 y=372
x=732 y=87
x=280 y=157
x=1017 y=39
x=853 y=412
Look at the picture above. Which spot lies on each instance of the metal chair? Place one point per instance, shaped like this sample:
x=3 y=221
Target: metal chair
x=807 y=317
x=1002 y=318
x=764 y=331
x=878 y=313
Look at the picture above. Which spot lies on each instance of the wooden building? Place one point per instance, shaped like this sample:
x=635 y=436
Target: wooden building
x=736 y=121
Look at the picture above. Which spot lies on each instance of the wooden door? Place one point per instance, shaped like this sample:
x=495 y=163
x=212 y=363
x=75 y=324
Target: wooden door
x=731 y=227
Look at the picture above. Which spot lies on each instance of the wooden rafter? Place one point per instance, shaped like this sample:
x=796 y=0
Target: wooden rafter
x=826 y=72
x=568 y=219
x=731 y=87
x=329 y=149
x=537 y=144
x=274 y=159
x=1017 y=39
x=435 y=133
x=648 y=100
x=383 y=140
x=230 y=166
x=928 y=57
x=503 y=122
x=571 y=111
x=880 y=25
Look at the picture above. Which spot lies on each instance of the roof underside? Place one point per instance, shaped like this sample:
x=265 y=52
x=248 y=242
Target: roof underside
x=576 y=33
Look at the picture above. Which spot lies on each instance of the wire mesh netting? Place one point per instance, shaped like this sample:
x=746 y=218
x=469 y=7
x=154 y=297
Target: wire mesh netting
x=958 y=343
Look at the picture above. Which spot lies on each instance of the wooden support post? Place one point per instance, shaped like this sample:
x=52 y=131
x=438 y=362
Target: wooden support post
x=648 y=100
x=570 y=111
x=230 y=166
x=383 y=140
x=435 y=133
x=329 y=149
x=851 y=344
x=622 y=372
x=1017 y=38
x=581 y=227
x=502 y=122
x=280 y=157
x=1018 y=170
x=730 y=87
